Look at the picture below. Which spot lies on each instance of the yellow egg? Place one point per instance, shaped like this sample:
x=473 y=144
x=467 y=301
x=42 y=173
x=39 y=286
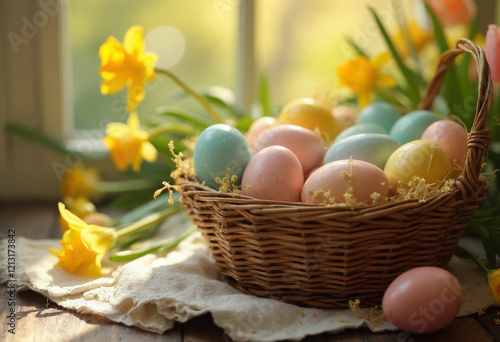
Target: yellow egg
x=421 y=158
x=309 y=114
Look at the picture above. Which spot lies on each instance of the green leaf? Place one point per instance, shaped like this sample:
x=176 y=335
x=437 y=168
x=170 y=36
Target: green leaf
x=216 y=95
x=488 y=242
x=184 y=115
x=451 y=84
x=412 y=81
x=130 y=255
x=356 y=47
x=52 y=143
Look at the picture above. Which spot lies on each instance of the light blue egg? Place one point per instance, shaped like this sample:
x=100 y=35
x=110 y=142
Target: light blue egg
x=374 y=148
x=381 y=113
x=411 y=126
x=359 y=129
x=218 y=148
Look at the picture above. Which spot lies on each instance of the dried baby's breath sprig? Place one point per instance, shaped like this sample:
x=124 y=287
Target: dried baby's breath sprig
x=417 y=188
x=228 y=183
x=170 y=188
x=183 y=167
x=375 y=316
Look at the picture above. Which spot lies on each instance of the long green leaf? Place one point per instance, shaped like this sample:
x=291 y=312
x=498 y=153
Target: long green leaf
x=409 y=76
x=185 y=115
x=130 y=255
x=52 y=143
x=451 y=84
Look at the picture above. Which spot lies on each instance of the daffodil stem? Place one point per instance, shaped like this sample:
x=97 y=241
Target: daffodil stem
x=172 y=127
x=124 y=185
x=149 y=221
x=474 y=257
x=203 y=101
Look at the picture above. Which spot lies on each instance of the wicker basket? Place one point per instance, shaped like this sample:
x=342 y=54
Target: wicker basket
x=322 y=256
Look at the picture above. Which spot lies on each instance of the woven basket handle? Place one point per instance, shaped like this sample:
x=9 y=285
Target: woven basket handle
x=479 y=137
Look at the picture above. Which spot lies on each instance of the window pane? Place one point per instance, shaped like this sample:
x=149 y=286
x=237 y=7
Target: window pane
x=301 y=43
x=208 y=30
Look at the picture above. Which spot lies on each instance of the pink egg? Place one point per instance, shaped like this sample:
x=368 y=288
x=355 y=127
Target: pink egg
x=304 y=143
x=423 y=300
x=274 y=173
x=357 y=180
x=451 y=137
x=345 y=116
x=259 y=126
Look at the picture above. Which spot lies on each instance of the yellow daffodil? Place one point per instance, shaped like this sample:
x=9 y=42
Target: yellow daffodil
x=494 y=284
x=419 y=38
x=127 y=64
x=128 y=144
x=363 y=76
x=79 y=182
x=83 y=245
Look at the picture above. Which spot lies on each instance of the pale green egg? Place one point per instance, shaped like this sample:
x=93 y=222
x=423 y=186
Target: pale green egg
x=220 y=147
x=411 y=126
x=360 y=129
x=370 y=147
x=380 y=113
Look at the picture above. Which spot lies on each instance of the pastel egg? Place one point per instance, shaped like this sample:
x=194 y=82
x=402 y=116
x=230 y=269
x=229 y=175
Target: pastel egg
x=380 y=113
x=259 y=126
x=420 y=158
x=303 y=142
x=423 y=300
x=412 y=125
x=218 y=148
x=274 y=173
x=374 y=148
x=452 y=137
x=345 y=181
x=310 y=114
x=360 y=129
x=345 y=116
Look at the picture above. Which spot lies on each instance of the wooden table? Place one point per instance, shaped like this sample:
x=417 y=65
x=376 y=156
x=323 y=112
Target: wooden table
x=41 y=320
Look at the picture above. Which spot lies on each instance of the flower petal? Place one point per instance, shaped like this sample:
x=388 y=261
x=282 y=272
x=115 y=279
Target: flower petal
x=133 y=41
x=380 y=60
x=97 y=239
x=384 y=80
x=149 y=152
x=113 y=84
x=74 y=222
x=112 y=55
x=364 y=99
x=133 y=122
x=135 y=93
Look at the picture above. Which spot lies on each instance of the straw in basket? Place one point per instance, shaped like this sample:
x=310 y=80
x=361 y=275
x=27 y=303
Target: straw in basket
x=324 y=256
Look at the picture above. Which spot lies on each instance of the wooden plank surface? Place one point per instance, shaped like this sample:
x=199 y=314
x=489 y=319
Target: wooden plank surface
x=41 y=320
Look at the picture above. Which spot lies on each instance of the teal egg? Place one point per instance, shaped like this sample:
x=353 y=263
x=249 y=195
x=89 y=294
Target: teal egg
x=360 y=129
x=411 y=126
x=374 y=148
x=218 y=148
x=381 y=113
